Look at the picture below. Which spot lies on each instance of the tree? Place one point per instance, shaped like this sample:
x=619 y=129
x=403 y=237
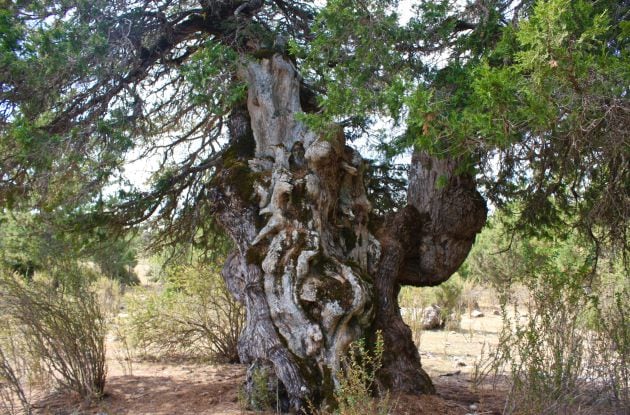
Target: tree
x=32 y=242
x=250 y=105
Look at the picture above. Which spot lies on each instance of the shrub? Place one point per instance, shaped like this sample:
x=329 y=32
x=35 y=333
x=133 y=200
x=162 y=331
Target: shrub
x=357 y=381
x=411 y=307
x=357 y=386
x=193 y=314
x=14 y=372
x=63 y=330
x=448 y=296
x=558 y=358
x=610 y=343
x=258 y=393
x=109 y=295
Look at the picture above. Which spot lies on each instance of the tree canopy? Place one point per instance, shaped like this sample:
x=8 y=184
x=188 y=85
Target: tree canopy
x=247 y=107
x=533 y=95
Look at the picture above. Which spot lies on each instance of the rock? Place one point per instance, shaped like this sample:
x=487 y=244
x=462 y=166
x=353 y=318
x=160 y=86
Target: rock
x=476 y=314
x=460 y=363
x=431 y=317
x=496 y=312
x=457 y=372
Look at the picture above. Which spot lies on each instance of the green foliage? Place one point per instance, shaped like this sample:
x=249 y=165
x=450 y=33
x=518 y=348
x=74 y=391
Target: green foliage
x=386 y=185
x=31 y=242
x=530 y=96
x=562 y=84
x=209 y=71
x=357 y=380
x=566 y=341
x=354 y=41
x=532 y=103
x=260 y=398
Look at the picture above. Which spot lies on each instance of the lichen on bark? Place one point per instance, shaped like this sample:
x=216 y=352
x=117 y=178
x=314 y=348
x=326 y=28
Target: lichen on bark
x=311 y=275
x=304 y=266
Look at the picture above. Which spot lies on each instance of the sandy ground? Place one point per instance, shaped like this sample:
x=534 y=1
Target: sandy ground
x=161 y=389
x=165 y=388
x=141 y=387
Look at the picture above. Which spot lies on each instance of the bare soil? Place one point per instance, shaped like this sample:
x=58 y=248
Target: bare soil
x=160 y=388
x=181 y=387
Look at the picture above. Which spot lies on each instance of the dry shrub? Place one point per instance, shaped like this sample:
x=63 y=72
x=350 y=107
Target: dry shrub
x=63 y=332
x=14 y=372
x=565 y=348
x=193 y=315
x=448 y=296
x=412 y=311
x=109 y=295
x=609 y=347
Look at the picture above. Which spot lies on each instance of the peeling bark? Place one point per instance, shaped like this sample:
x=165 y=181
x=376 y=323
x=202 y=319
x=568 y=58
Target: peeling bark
x=303 y=248
x=310 y=274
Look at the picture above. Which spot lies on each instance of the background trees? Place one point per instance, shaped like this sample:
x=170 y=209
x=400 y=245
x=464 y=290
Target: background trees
x=524 y=101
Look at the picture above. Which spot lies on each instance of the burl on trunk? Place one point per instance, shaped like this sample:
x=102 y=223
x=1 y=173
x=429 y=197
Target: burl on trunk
x=311 y=275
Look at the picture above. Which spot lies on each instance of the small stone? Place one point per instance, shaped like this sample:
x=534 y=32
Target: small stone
x=496 y=312
x=460 y=363
x=431 y=317
x=476 y=314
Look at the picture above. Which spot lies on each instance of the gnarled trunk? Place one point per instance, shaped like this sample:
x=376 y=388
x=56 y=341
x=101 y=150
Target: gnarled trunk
x=422 y=245
x=297 y=211
x=309 y=272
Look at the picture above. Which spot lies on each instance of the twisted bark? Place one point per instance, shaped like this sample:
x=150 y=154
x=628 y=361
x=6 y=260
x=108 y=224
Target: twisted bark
x=297 y=212
x=422 y=245
x=311 y=275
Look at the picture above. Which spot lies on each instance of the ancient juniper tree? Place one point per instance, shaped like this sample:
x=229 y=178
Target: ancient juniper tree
x=250 y=107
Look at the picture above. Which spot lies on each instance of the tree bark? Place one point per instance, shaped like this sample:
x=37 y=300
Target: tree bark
x=311 y=276
x=422 y=245
x=297 y=212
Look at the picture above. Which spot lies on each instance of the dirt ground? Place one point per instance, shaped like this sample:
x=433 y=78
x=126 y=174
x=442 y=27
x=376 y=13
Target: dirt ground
x=141 y=387
x=173 y=388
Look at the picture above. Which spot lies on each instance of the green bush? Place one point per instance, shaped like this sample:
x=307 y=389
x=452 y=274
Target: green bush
x=257 y=394
x=32 y=242
x=357 y=381
x=566 y=343
x=193 y=314
x=357 y=389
